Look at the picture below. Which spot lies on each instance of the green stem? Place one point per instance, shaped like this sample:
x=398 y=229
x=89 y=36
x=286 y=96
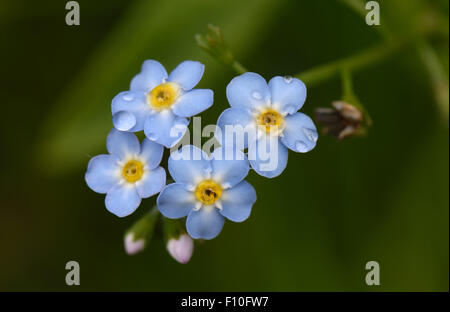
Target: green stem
x=352 y=63
x=347 y=84
x=438 y=76
x=349 y=96
x=238 y=68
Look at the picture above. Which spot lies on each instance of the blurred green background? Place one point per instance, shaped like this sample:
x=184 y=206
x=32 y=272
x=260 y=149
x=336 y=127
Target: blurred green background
x=384 y=197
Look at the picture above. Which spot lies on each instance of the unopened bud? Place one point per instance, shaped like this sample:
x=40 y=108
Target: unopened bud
x=214 y=43
x=141 y=232
x=341 y=121
x=181 y=249
x=133 y=246
x=179 y=245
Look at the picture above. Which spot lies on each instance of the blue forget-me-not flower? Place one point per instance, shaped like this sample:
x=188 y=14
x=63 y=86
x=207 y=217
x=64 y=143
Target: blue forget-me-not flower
x=128 y=173
x=207 y=190
x=268 y=113
x=160 y=104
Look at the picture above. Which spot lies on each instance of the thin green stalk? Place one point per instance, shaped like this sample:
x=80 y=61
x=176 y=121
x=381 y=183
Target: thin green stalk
x=352 y=63
x=438 y=76
x=238 y=68
x=347 y=84
x=349 y=96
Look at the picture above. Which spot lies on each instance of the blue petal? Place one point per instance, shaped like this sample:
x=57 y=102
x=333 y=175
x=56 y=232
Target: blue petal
x=122 y=199
x=287 y=94
x=238 y=124
x=237 y=202
x=189 y=165
x=193 y=102
x=249 y=91
x=175 y=201
x=165 y=127
x=300 y=133
x=205 y=223
x=152 y=74
x=229 y=166
x=151 y=183
x=152 y=153
x=271 y=159
x=102 y=173
x=187 y=74
x=122 y=144
x=134 y=103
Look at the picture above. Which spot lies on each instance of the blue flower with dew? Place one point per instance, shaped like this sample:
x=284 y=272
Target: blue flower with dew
x=160 y=104
x=128 y=173
x=207 y=190
x=268 y=113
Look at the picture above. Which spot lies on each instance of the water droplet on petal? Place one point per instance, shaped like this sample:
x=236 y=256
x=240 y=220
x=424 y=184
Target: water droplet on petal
x=256 y=95
x=124 y=121
x=152 y=136
x=127 y=97
x=288 y=79
x=301 y=147
x=311 y=134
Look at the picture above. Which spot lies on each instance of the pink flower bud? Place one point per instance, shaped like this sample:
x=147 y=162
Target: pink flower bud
x=181 y=249
x=131 y=246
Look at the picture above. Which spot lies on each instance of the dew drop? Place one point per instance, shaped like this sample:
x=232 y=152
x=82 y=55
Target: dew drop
x=152 y=136
x=288 y=79
x=310 y=134
x=256 y=95
x=301 y=147
x=124 y=121
x=128 y=97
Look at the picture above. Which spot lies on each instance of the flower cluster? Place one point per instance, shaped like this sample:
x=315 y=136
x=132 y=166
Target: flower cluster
x=207 y=189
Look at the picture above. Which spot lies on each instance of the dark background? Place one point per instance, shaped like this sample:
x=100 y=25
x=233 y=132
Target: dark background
x=383 y=197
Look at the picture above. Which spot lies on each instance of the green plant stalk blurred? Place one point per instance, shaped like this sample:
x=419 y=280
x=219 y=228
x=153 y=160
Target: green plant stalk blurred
x=215 y=45
x=144 y=227
x=349 y=96
x=438 y=77
x=353 y=62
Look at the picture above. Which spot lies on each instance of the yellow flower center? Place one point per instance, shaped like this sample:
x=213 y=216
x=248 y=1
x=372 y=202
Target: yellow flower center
x=208 y=192
x=163 y=95
x=270 y=118
x=133 y=171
